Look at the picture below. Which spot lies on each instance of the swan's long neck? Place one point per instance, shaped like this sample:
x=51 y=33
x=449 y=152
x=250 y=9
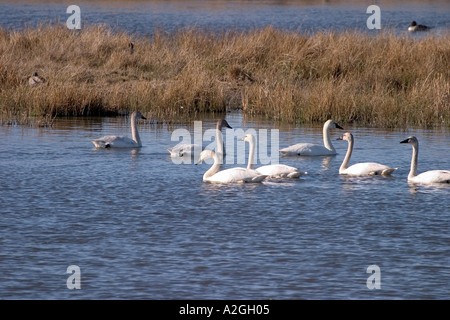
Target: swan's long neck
x=214 y=168
x=134 y=130
x=251 y=154
x=326 y=138
x=219 y=143
x=348 y=155
x=415 y=155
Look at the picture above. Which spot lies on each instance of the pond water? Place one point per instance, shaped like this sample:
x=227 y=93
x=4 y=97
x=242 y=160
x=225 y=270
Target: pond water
x=141 y=17
x=140 y=226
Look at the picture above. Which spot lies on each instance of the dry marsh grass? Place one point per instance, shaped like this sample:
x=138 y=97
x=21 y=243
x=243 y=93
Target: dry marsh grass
x=383 y=80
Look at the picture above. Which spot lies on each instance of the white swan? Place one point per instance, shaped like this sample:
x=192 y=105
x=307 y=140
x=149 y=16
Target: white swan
x=271 y=170
x=187 y=150
x=310 y=149
x=121 y=141
x=233 y=175
x=428 y=177
x=184 y=150
x=364 y=168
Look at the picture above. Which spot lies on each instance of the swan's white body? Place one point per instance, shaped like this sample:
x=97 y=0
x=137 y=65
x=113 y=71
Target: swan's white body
x=233 y=175
x=428 y=177
x=122 y=141
x=183 y=150
x=279 y=171
x=271 y=170
x=363 y=168
x=187 y=150
x=311 y=149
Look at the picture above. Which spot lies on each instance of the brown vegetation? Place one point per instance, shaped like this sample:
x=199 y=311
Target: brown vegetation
x=384 y=80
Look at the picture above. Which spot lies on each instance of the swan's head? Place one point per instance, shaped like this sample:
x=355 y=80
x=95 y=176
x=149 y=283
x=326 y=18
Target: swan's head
x=138 y=115
x=248 y=138
x=331 y=124
x=223 y=124
x=346 y=136
x=205 y=154
x=411 y=140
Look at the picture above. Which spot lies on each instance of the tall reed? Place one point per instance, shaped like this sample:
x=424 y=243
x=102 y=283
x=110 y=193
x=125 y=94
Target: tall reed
x=385 y=80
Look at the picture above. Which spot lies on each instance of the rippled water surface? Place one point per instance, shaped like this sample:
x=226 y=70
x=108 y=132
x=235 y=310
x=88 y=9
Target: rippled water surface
x=141 y=227
x=141 y=17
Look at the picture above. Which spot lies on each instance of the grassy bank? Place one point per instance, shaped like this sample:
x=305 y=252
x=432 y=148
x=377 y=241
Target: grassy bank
x=383 y=80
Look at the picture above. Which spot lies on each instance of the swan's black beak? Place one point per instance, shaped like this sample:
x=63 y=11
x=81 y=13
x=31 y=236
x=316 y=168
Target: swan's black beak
x=340 y=138
x=224 y=124
x=405 y=141
x=142 y=117
x=339 y=127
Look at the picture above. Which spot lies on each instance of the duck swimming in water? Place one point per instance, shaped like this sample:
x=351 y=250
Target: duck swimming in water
x=413 y=27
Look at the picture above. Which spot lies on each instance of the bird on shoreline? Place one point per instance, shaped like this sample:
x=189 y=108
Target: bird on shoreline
x=35 y=79
x=413 y=27
x=131 y=46
x=232 y=175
